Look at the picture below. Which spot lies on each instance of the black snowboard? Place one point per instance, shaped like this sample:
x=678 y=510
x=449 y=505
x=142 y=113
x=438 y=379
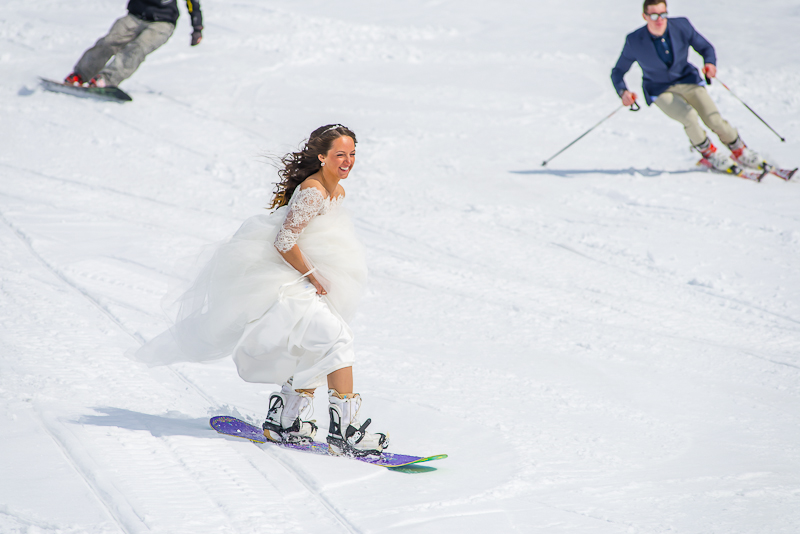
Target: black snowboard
x=111 y=94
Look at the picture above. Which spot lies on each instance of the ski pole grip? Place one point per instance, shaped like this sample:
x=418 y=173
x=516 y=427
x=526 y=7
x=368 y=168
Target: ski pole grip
x=708 y=80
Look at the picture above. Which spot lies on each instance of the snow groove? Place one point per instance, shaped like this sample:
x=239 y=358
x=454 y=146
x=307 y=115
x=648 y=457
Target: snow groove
x=307 y=480
x=57 y=272
x=114 y=501
x=113 y=191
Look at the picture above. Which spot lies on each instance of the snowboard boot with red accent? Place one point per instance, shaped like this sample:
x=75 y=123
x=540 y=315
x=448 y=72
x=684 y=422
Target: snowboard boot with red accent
x=745 y=156
x=98 y=81
x=719 y=161
x=345 y=434
x=284 y=421
x=74 y=79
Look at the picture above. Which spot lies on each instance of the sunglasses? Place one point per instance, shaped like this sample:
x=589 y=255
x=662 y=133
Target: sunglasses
x=656 y=16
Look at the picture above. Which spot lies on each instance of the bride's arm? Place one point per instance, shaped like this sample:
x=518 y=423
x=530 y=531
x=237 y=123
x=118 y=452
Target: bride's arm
x=295 y=258
x=306 y=206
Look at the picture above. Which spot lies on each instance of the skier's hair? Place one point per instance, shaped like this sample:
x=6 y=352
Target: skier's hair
x=648 y=3
x=297 y=166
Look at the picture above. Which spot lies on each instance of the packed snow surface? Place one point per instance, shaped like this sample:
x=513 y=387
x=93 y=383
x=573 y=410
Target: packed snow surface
x=609 y=344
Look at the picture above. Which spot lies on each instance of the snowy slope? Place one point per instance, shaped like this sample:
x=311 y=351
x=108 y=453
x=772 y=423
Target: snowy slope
x=610 y=344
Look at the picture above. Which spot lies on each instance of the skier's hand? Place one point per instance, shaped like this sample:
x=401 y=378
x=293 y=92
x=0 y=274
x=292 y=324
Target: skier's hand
x=628 y=98
x=197 y=36
x=710 y=70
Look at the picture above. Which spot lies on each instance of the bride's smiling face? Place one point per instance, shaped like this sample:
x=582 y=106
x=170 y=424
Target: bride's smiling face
x=341 y=157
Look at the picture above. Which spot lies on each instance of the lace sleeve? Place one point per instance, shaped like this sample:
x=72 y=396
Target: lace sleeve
x=305 y=206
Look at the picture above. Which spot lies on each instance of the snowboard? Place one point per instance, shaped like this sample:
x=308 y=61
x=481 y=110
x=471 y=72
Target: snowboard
x=231 y=426
x=109 y=94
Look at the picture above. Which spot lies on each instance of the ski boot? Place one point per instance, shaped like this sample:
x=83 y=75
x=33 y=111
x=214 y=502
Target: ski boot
x=747 y=157
x=345 y=434
x=283 y=423
x=718 y=161
x=74 y=79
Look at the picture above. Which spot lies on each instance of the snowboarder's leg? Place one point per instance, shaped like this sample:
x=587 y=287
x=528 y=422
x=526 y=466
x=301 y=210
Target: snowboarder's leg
x=284 y=418
x=677 y=108
x=341 y=380
x=122 y=32
x=323 y=345
x=127 y=60
x=346 y=435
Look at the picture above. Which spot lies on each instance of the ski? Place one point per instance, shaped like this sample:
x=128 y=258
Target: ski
x=783 y=174
x=231 y=426
x=747 y=174
x=109 y=94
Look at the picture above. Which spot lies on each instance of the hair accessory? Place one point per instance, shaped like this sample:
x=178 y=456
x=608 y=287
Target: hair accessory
x=332 y=128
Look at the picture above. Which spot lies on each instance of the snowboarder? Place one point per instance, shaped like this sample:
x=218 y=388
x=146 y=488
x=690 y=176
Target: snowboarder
x=661 y=48
x=147 y=26
x=278 y=295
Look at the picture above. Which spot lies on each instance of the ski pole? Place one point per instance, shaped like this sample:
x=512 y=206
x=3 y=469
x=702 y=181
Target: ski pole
x=708 y=81
x=634 y=107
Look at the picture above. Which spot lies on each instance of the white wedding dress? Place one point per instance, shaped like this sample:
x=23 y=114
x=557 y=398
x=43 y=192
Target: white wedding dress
x=249 y=303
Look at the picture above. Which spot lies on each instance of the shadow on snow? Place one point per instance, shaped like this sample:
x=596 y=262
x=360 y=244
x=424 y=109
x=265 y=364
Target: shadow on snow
x=169 y=424
x=648 y=172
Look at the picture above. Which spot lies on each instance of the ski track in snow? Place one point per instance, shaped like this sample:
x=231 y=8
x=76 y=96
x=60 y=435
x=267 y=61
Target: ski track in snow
x=610 y=344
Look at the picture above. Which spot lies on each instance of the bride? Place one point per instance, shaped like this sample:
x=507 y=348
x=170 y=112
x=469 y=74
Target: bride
x=278 y=295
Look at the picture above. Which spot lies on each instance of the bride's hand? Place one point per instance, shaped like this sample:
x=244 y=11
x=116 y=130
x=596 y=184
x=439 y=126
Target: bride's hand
x=317 y=285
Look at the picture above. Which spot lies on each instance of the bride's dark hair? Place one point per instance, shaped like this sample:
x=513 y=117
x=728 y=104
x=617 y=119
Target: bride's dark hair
x=297 y=166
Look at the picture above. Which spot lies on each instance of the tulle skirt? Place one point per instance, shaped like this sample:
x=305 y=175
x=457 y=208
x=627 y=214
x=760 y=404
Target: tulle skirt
x=249 y=303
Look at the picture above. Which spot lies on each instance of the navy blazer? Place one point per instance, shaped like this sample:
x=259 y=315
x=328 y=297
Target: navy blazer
x=657 y=77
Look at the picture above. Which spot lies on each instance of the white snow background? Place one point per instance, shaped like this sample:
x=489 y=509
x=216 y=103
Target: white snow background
x=609 y=344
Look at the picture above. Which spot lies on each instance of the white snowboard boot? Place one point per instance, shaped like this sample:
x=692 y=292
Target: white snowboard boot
x=745 y=156
x=345 y=434
x=283 y=418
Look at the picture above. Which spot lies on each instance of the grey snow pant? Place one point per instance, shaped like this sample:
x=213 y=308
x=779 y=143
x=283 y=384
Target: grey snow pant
x=684 y=102
x=129 y=41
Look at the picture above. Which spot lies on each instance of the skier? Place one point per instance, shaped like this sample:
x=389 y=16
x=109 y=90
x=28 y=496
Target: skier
x=278 y=295
x=661 y=48
x=147 y=26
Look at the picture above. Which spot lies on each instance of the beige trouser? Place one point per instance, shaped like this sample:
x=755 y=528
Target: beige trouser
x=684 y=102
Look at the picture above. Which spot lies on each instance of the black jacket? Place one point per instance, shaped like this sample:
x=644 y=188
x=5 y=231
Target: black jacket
x=165 y=11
